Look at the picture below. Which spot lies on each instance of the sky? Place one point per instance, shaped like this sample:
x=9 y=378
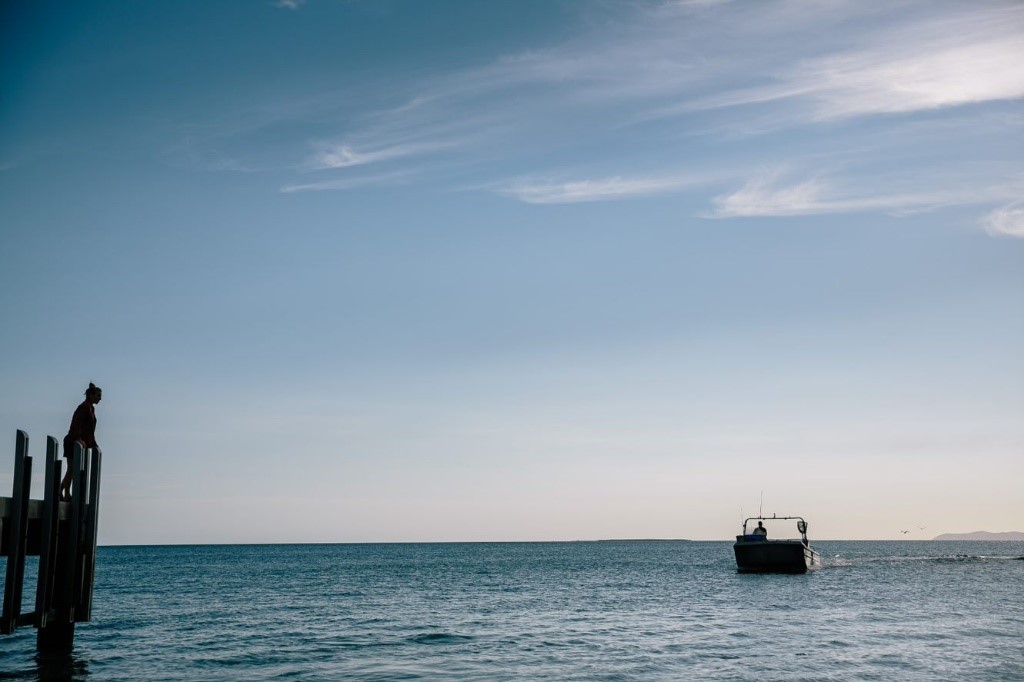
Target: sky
x=395 y=271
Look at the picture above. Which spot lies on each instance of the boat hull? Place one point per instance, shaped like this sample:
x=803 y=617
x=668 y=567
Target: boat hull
x=774 y=556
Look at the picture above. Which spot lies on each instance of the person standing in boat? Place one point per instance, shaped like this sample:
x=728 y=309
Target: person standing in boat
x=82 y=430
x=760 y=530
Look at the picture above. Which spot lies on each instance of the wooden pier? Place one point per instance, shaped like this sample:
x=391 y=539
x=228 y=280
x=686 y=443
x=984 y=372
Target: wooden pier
x=62 y=534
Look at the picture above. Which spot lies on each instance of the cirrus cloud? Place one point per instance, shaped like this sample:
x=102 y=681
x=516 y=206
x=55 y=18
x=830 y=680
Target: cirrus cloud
x=1007 y=221
x=577 y=191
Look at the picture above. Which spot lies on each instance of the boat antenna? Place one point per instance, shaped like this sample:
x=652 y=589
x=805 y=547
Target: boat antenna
x=761 y=506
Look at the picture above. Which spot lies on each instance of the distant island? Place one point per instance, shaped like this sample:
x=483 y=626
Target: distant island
x=982 y=535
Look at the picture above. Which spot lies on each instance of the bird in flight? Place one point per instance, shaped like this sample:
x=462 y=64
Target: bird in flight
x=904 y=531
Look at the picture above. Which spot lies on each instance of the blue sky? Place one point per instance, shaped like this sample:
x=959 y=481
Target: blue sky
x=403 y=271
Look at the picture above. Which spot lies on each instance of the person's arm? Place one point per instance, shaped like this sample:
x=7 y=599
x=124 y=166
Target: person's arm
x=90 y=428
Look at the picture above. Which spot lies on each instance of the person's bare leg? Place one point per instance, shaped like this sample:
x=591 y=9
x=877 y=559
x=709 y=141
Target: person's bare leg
x=65 y=485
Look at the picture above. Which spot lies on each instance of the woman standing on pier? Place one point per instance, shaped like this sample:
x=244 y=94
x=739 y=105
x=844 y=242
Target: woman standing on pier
x=83 y=430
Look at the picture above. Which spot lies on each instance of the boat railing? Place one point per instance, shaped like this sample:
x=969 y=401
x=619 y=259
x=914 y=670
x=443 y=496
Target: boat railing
x=756 y=537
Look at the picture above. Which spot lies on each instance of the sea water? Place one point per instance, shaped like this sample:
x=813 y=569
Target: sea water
x=631 y=610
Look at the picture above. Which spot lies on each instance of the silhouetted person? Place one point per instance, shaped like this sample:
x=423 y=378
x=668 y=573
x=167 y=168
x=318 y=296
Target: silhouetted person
x=82 y=430
x=760 y=530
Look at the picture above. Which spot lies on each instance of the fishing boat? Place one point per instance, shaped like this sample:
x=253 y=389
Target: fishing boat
x=756 y=553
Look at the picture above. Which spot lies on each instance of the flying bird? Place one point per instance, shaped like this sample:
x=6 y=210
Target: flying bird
x=904 y=531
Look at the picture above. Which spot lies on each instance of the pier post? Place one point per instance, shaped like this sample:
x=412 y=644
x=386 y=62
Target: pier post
x=58 y=635
x=91 y=515
x=48 y=534
x=17 y=538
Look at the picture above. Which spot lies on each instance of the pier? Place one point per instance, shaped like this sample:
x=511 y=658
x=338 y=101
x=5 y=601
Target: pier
x=62 y=533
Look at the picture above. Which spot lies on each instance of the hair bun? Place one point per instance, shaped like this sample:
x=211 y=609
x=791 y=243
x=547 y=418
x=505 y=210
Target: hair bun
x=92 y=385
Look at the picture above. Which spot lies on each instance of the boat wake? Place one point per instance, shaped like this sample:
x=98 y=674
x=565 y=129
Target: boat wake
x=838 y=561
x=835 y=562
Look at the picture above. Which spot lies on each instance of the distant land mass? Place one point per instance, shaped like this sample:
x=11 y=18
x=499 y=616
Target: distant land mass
x=982 y=535
x=639 y=540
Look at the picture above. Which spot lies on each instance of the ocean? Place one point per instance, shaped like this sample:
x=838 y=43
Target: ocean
x=617 y=610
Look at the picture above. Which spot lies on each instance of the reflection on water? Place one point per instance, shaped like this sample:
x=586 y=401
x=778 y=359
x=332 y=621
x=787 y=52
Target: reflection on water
x=61 y=667
x=45 y=668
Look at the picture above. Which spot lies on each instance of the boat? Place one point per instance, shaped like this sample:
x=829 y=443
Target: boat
x=755 y=553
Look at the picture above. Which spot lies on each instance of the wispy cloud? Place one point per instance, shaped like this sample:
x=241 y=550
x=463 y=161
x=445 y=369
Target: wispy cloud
x=768 y=195
x=822 y=62
x=289 y=4
x=1007 y=221
x=764 y=197
x=353 y=182
x=919 y=61
x=576 y=191
x=331 y=156
x=344 y=156
x=976 y=67
x=683 y=86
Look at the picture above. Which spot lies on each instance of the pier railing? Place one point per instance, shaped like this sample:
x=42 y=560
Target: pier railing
x=62 y=533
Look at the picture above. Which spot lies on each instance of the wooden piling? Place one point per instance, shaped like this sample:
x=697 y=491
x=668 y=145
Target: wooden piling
x=83 y=608
x=48 y=534
x=17 y=538
x=69 y=583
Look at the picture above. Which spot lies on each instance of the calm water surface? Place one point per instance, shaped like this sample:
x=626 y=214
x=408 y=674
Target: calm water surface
x=559 y=611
